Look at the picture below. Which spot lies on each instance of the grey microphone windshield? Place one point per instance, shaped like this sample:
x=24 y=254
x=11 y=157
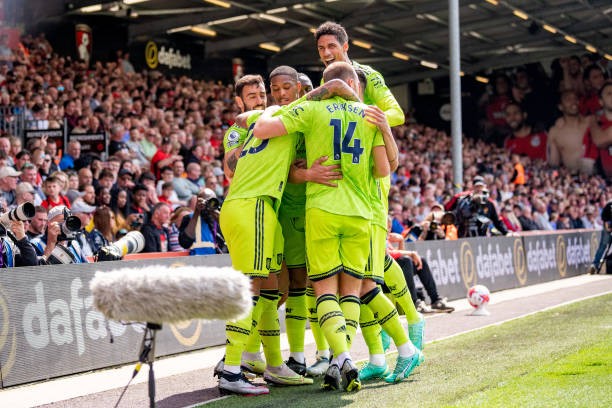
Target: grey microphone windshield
x=159 y=294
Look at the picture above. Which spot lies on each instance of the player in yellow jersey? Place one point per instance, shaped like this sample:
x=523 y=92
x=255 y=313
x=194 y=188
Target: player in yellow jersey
x=250 y=95
x=332 y=45
x=337 y=218
x=254 y=238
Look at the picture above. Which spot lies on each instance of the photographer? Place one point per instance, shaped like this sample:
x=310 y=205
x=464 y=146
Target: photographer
x=200 y=232
x=476 y=213
x=604 y=242
x=15 y=249
x=438 y=225
x=58 y=244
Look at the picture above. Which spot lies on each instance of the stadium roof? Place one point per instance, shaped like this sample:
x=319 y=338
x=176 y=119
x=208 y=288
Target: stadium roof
x=397 y=37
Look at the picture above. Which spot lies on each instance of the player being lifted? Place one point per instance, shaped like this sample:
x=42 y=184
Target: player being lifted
x=332 y=45
x=337 y=218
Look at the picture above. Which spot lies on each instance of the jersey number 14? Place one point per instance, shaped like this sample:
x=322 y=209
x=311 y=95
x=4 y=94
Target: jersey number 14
x=342 y=140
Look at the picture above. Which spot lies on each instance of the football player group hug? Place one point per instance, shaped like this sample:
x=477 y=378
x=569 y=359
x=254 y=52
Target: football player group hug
x=306 y=219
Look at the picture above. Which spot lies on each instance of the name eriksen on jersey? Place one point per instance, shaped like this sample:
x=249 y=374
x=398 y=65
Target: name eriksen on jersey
x=346 y=107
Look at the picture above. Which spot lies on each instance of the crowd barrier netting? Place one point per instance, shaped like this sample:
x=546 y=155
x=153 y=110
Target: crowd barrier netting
x=48 y=327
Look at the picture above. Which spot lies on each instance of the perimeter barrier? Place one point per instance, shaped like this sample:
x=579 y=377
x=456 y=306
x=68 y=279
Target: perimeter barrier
x=48 y=327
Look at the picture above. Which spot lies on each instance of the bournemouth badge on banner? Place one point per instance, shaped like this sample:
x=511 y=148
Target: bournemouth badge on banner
x=84 y=41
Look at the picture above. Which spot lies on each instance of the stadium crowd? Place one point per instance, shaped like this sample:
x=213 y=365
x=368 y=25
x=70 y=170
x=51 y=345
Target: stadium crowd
x=166 y=136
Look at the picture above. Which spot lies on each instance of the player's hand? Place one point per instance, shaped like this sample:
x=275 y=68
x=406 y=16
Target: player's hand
x=418 y=263
x=324 y=174
x=377 y=117
x=300 y=163
x=395 y=237
x=18 y=229
x=53 y=231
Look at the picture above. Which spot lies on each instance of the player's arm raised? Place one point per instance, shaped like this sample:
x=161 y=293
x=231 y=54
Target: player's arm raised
x=268 y=126
x=384 y=99
x=376 y=116
x=334 y=87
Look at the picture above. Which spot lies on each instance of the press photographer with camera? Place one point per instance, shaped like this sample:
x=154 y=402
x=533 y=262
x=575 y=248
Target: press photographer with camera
x=476 y=215
x=200 y=232
x=438 y=224
x=58 y=244
x=15 y=248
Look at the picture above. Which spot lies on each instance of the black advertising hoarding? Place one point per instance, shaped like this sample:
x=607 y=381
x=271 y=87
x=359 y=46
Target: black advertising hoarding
x=94 y=143
x=53 y=135
x=506 y=262
x=554 y=256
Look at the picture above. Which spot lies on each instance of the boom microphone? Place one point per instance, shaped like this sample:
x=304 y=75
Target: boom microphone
x=158 y=294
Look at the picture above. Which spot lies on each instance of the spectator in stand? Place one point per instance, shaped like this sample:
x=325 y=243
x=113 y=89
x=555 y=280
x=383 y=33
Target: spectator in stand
x=397 y=223
x=85 y=177
x=563 y=223
x=73 y=186
x=125 y=180
x=21 y=159
x=38 y=223
x=590 y=219
x=46 y=167
x=523 y=140
x=117 y=146
x=540 y=215
x=136 y=147
x=16 y=146
x=599 y=138
x=510 y=220
x=24 y=192
x=188 y=186
x=594 y=78
x=8 y=183
x=165 y=156
x=106 y=179
x=120 y=206
x=155 y=230
x=575 y=219
x=52 y=187
x=495 y=102
x=565 y=138
x=139 y=204
x=71 y=114
x=73 y=152
x=147 y=145
x=88 y=194
x=525 y=217
x=103 y=197
x=29 y=174
x=84 y=212
x=104 y=227
x=572 y=75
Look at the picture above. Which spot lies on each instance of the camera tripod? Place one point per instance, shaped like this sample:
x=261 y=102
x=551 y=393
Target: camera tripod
x=147 y=355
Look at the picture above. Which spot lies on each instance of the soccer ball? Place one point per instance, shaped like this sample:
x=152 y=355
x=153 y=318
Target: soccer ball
x=478 y=296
